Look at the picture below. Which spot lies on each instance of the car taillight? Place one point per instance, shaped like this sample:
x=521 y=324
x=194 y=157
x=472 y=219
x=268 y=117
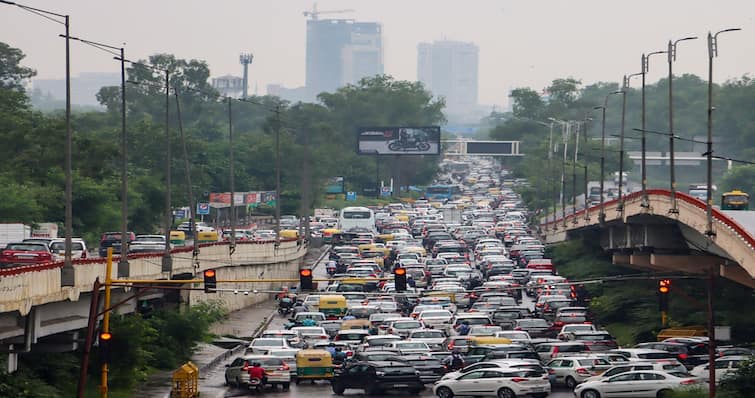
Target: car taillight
x=688 y=382
x=583 y=371
x=519 y=379
x=683 y=356
x=323 y=337
x=558 y=323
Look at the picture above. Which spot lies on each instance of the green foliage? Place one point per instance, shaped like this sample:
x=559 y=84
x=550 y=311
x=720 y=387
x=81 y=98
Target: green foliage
x=739 y=384
x=698 y=392
x=132 y=350
x=740 y=177
x=24 y=384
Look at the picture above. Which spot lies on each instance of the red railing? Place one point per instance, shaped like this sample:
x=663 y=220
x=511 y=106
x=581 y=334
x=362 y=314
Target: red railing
x=20 y=269
x=717 y=214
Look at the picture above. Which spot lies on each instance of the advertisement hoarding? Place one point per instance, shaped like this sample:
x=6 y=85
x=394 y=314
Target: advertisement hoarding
x=399 y=140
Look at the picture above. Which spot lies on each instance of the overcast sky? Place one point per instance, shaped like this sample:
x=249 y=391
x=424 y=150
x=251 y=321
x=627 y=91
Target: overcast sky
x=522 y=42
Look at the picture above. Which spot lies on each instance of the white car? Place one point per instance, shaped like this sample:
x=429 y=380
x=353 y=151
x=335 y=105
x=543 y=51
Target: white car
x=58 y=249
x=311 y=334
x=516 y=336
x=433 y=338
x=435 y=318
x=403 y=327
x=574 y=370
x=724 y=366
x=664 y=366
x=408 y=347
x=496 y=382
x=261 y=345
x=575 y=327
x=277 y=370
x=642 y=383
x=643 y=354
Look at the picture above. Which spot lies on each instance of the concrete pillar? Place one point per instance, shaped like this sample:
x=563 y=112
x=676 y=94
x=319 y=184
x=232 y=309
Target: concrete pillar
x=12 y=363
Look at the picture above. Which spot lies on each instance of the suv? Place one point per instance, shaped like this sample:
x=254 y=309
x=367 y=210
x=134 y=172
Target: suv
x=113 y=239
x=574 y=370
x=375 y=377
x=690 y=352
x=58 y=249
x=548 y=351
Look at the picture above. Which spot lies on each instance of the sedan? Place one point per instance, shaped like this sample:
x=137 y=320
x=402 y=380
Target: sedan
x=496 y=382
x=643 y=384
x=25 y=254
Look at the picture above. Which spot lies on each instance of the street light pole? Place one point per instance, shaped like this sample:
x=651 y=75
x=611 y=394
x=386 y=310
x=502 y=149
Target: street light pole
x=712 y=52
x=620 y=206
x=232 y=179
x=644 y=67
x=550 y=171
x=584 y=138
x=574 y=175
x=167 y=265
x=671 y=56
x=602 y=214
x=565 y=140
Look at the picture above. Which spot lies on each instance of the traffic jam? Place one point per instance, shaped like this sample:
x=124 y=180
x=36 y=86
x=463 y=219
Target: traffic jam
x=452 y=295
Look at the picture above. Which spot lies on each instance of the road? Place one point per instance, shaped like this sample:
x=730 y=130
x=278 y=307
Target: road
x=212 y=383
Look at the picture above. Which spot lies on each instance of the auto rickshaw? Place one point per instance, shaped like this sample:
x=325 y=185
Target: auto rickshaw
x=207 y=236
x=327 y=234
x=313 y=365
x=333 y=306
x=178 y=238
x=289 y=234
x=356 y=324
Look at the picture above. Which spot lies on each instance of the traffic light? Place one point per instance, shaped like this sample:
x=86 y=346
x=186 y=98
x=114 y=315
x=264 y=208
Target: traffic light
x=305 y=279
x=664 y=287
x=210 y=281
x=399 y=279
x=105 y=339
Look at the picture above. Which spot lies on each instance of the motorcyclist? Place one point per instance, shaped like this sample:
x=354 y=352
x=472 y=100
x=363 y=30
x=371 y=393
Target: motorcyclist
x=308 y=322
x=339 y=356
x=411 y=282
x=463 y=329
x=330 y=266
x=331 y=348
x=258 y=372
x=455 y=361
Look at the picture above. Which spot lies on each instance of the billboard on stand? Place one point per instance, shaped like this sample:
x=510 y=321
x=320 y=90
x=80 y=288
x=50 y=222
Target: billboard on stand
x=399 y=140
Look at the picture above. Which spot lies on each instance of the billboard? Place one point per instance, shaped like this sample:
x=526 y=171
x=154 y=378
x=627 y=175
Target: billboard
x=399 y=141
x=493 y=148
x=253 y=198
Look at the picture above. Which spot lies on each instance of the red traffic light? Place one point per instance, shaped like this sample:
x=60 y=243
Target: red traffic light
x=210 y=273
x=399 y=271
x=664 y=285
x=305 y=272
x=106 y=336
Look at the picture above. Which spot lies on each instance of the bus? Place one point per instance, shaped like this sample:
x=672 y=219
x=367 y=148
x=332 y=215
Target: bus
x=356 y=217
x=441 y=192
x=735 y=200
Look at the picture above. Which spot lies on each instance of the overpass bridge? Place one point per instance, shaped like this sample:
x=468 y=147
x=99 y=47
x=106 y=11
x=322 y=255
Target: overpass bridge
x=658 y=236
x=38 y=312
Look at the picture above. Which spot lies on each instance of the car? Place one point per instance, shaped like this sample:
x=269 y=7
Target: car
x=277 y=370
x=288 y=355
x=375 y=377
x=407 y=347
x=21 y=253
x=516 y=336
x=311 y=334
x=58 y=248
x=113 y=239
x=499 y=382
x=498 y=363
x=352 y=337
x=432 y=337
x=724 y=366
x=404 y=327
x=430 y=369
x=575 y=327
x=643 y=354
x=644 y=383
x=261 y=345
x=690 y=352
x=200 y=226
x=376 y=355
x=669 y=365
x=596 y=341
x=291 y=336
x=548 y=351
x=379 y=340
x=523 y=355
x=536 y=327
x=571 y=371
x=147 y=244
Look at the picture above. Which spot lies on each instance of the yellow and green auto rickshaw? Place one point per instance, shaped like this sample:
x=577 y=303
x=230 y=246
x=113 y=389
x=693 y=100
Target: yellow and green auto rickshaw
x=207 y=236
x=333 y=306
x=327 y=234
x=313 y=365
x=178 y=238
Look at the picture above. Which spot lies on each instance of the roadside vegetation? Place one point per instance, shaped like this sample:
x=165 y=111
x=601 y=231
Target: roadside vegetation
x=142 y=344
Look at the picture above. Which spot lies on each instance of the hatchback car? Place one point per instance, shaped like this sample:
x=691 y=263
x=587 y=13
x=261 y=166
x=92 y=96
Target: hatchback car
x=643 y=383
x=574 y=370
x=277 y=370
x=497 y=382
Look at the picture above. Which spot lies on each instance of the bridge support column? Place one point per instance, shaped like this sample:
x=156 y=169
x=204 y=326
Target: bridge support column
x=737 y=274
x=686 y=263
x=12 y=363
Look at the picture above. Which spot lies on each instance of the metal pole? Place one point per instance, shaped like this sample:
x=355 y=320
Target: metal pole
x=587 y=190
x=232 y=177
x=645 y=200
x=574 y=176
x=106 y=318
x=123 y=261
x=377 y=175
x=620 y=206
x=91 y=324
x=672 y=168
x=187 y=170
x=602 y=215
x=277 y=178
x=67 y=274
x=167 y=262
x=712 y=52
x=565 y=139
x=711 y=338
x=550 y=174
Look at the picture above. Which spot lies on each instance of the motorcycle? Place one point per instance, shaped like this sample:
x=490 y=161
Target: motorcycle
x=255 y=385
x=409 y=145
x=285 y=306
x=331 y=269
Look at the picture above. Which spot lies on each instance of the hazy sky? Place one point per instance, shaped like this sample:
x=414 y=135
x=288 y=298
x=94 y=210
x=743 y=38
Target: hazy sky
x=522 y=42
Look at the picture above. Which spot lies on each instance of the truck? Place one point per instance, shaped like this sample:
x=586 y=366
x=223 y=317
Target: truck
x=13 y=232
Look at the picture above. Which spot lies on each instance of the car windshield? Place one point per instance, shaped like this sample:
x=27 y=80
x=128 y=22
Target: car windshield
x=427 y=334
x=429 y=314
x=408 y=344
x=593 y=337
x=267 y=343
x=55 y=246
x=28 y=247
x=397 y=370
x=380 y=341
x=407 y=325
x=533 y=322
x=593 y=362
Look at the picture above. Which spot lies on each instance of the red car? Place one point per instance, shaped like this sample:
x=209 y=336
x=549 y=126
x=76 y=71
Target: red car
x=24 y=253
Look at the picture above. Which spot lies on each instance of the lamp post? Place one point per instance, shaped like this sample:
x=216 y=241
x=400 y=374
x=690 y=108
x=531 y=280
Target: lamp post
x=550 y=170
x=584 y=138
x=712 y=52
x=671 y=56
x=602 y=214
x=67 y=272
x=620 y=206
x=644 y=67
x=574 y=174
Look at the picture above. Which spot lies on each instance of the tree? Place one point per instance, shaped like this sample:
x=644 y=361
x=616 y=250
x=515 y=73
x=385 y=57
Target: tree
x=12 y=74
x=739 y=177
x=526 y=103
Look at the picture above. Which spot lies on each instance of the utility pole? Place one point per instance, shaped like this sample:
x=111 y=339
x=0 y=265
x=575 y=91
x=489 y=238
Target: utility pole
x=167 y=261
x=67 y=273
x=187 y=170
x=123 y=268
x=277 y=176
x=232 y=178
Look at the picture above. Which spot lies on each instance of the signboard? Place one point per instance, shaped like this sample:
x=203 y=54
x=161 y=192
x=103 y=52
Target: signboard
x=385 y=191
x=490 y=148
x=335 y=185
x=203 y=209
x=254 y=198
x=399 y=140
x=351 y=196
x=179 y=213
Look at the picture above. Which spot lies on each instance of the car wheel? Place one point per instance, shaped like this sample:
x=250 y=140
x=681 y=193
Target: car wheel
x=444 y=392
x=590 y=394
x=297 y=381
x=414 y=392
x=371 y=389
x=664 y=394
x=338 y=389
x=570 y=382
x=540 y=395
x=506 y=393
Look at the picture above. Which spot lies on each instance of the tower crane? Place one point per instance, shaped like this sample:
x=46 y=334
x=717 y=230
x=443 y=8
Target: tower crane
x=314 y=13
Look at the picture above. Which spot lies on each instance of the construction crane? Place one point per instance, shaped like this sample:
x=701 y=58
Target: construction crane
x=314 y=13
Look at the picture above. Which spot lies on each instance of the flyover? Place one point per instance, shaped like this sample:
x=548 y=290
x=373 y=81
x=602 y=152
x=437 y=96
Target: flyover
x=37 y=311
x=659 y=235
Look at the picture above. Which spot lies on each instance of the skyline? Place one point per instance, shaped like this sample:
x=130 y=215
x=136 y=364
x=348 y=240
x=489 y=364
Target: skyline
x=522 y=43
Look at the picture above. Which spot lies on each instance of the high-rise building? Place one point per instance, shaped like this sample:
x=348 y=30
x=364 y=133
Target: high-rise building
x=84 y=87
x=449 y=69
x=341 y=51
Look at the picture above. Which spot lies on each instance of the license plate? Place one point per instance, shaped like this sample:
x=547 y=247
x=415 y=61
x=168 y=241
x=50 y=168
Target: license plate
x=400 y=385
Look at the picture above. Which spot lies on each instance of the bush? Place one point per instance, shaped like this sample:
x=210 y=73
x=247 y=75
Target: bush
x=740 y=384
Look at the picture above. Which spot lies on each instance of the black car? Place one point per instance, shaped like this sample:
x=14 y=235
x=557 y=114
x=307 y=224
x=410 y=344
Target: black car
x=113 y=239
x=376 y=377
x=430 y=369
x=690 y=353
